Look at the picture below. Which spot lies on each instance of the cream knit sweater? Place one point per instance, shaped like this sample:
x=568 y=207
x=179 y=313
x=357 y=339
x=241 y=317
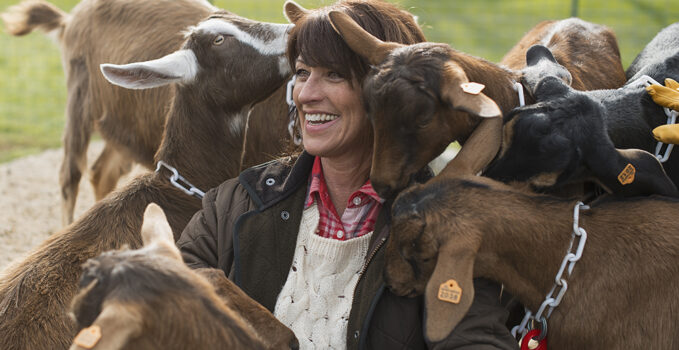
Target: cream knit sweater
x=316 y=298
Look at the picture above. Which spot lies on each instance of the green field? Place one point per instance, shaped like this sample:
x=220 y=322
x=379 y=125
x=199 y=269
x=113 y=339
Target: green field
x=32 y=87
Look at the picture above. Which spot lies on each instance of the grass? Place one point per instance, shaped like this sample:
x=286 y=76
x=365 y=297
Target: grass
x=32 y=86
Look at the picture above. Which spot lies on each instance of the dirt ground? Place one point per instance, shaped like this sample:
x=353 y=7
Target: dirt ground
x=30 y=205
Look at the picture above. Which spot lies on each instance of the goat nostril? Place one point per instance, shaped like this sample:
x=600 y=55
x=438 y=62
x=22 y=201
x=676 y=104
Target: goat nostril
x=294 y=344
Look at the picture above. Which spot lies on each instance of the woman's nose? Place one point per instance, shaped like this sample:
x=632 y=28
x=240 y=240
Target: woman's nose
x=310 y=91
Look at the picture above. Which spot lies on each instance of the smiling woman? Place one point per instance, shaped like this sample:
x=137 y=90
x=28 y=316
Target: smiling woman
x=306 y=238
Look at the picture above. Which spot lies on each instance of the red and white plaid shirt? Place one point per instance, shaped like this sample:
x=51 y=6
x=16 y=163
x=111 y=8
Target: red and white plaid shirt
x=359 y=216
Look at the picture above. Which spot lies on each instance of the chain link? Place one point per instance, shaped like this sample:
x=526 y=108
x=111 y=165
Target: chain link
x=560 y=284
x=175 y=178
x=671 y=119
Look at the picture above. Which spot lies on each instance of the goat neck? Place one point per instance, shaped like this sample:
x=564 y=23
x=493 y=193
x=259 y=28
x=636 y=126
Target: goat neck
x=195 y=125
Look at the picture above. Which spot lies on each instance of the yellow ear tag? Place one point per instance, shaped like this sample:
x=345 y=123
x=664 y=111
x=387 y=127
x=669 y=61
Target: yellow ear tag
x=450 y=291
x=626 y=176
x=88 y=337
x=472 y=88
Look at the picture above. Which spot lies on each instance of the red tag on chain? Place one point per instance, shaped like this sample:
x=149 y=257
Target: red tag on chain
x=528 y=343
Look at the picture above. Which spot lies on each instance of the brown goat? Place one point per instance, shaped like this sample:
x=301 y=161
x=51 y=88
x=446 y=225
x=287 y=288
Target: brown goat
x=203 y=139
x=131 y=122
x=622 y=291
x=420 y=98
x=149 y=299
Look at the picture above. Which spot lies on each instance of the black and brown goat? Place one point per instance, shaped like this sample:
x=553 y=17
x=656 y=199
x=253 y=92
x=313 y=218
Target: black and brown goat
x=422 y=97
x=131 y=122
x=621 y=293
x=562 y=140
x=149 y=299
x=569 y=135
x=203 y=139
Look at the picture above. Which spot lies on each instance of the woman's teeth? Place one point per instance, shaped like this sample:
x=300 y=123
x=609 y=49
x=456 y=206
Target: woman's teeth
x=320 y=118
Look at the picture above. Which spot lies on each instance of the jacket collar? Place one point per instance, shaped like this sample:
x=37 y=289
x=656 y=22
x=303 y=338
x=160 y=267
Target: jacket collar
x=269 y=183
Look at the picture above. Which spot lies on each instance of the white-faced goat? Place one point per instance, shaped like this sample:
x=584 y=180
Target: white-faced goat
x=203 y=139
x=149 y=299
x=562 y=140
x=569 y=135
x=422 y=97
x=131 y=122
x=621 y=293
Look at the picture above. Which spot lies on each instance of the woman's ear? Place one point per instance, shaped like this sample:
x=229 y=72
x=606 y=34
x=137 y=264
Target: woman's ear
x=293 y=11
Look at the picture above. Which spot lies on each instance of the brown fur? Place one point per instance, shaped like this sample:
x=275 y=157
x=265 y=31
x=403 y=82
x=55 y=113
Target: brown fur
x=198 y=140
x=621 y=294
x=584 y=48
x=405 y=92
x=149 y=299
x=131 y=122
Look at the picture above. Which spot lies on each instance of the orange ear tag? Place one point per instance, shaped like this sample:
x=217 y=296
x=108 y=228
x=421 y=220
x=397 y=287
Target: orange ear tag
x=472 y=88
x=88 y=337
x=450 y=291
x=626 y=176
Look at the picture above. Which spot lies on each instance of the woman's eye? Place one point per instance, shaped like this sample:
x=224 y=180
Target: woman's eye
x=335 y=76
x=302 y=74
x=218 y=40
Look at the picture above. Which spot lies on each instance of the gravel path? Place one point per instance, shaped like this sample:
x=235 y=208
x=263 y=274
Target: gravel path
x=30 y=206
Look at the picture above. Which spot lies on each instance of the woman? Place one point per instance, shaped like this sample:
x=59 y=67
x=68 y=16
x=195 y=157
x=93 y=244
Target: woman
x=306 y=239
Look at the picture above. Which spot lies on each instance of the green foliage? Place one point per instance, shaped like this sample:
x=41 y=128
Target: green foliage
x=32 y=85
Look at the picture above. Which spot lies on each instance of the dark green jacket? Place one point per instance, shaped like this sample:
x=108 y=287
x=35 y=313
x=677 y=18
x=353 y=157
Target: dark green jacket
x=248 y=227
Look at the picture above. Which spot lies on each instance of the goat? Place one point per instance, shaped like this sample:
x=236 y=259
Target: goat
x=131 y=122
x=202 y=139
x=621 y=294
x=626 y=116
x=149 y=299
x=562 y=139
x=410 y=93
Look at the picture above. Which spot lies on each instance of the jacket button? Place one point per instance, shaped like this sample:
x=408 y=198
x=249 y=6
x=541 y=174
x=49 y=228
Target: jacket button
x=285 y=215
x=356 y=334
x=270 y=181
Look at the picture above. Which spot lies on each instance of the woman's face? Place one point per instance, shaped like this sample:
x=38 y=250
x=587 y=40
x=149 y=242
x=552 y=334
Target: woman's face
x=331 y=112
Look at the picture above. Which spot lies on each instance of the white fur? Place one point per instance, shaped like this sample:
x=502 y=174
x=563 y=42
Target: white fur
x=567 y=23
x=274 y=47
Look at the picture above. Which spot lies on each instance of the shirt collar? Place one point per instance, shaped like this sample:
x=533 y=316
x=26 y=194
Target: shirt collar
x=319 y=189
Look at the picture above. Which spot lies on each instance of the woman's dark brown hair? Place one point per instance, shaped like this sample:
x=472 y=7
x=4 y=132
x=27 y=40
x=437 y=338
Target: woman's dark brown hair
x=314 y=39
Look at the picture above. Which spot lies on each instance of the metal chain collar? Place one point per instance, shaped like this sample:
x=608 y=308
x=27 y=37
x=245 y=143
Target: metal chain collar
x=292 y=111
x=671 y=119
x=560 y=284
x=518 y=87
x=175 y=178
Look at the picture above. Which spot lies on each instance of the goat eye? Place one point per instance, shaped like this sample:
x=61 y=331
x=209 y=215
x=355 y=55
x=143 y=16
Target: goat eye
x=218 y=40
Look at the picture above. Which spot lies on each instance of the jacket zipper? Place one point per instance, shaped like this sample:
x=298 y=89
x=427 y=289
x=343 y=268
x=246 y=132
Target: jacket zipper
x=360 y=276
x=370 y=258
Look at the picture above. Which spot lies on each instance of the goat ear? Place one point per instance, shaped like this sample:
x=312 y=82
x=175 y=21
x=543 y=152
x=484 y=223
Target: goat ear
x=156 y=229
x=178 y=67
x=360 y=41
x=455 y=263
x=455 y=92
x=538 y=52
x=293 y=11
x=484 y=141
x=629 y=172
x=113 y=329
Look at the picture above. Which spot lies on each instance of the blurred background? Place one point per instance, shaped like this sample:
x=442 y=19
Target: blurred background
x=32 y=85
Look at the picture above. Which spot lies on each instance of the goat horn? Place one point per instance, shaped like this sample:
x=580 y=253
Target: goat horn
x=359 y=40
x=293 y=11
